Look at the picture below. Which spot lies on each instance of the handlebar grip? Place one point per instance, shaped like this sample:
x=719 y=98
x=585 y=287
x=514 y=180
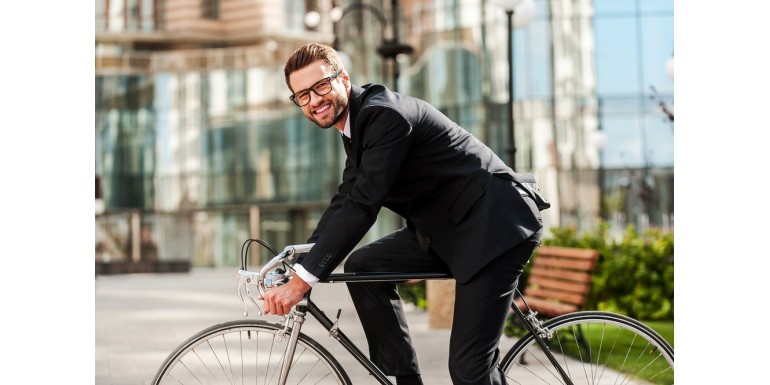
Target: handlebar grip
x=303 y=248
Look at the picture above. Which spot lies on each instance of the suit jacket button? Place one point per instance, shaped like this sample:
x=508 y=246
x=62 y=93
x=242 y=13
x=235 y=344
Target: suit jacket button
x=427 y=240
x=325 y=260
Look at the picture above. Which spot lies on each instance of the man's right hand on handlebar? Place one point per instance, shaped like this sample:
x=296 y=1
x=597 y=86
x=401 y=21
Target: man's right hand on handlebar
x=279 y=300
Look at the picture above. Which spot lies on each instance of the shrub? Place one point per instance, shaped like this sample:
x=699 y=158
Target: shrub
x=635 y=275
x=414 y=293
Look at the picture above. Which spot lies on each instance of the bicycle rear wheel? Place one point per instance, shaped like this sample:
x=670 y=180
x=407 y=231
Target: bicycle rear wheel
x=247 y=351
x=593 y=348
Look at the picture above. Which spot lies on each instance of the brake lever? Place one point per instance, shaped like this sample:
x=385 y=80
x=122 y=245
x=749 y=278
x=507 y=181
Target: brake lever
x=245 y=280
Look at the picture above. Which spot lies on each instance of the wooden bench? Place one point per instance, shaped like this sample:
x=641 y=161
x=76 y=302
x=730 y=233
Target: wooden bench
x=559 y=281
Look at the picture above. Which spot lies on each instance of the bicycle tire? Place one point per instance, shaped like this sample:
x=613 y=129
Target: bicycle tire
x=247 y=351
x=640 y=355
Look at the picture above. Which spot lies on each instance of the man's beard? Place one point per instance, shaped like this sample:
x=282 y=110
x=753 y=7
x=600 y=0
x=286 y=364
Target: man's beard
x=338 y=107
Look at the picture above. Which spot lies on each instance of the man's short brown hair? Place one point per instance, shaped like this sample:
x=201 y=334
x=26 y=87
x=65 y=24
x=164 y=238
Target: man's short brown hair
x=308 y=54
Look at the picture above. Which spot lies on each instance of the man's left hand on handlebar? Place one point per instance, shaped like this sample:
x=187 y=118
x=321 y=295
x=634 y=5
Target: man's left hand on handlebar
x=279 y=300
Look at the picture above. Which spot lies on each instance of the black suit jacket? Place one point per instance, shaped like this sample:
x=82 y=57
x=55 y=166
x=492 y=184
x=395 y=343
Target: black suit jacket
x=407 y=156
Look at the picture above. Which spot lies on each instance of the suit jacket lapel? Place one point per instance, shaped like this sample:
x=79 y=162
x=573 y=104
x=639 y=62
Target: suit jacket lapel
x=356 y=94
x=346 y=143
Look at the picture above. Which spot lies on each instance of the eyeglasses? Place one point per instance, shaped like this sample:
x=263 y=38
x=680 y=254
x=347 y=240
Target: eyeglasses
x=321 y=88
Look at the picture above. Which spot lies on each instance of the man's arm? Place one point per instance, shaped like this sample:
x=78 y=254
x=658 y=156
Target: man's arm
x=384 y=141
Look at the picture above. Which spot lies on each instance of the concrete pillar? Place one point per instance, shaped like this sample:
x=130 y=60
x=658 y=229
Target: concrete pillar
x=136 y=228
x=440 y=298
x=255 y=229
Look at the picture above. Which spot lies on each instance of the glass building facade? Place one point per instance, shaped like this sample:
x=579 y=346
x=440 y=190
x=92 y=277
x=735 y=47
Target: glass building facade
x=198 y=147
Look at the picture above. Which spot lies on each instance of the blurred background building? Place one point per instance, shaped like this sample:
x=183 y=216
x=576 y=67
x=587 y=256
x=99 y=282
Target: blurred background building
x=198 y=147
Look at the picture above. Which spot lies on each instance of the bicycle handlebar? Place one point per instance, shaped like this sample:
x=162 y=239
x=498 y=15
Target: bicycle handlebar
x=269 y=276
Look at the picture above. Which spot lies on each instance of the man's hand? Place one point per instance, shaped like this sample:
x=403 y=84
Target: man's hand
x=279 y=300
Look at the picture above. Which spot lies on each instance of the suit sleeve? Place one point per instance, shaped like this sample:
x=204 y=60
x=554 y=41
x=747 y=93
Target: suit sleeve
x=385 y=141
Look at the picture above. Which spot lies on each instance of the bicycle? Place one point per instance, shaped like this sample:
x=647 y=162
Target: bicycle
x=575 y=349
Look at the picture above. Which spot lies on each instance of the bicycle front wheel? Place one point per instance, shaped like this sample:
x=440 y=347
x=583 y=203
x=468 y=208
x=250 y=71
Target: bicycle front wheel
x=248 y=352
x=593 y=348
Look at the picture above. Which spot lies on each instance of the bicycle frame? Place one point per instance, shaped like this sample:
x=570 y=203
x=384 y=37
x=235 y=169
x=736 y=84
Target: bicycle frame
x=341 y=337
x=266 y=278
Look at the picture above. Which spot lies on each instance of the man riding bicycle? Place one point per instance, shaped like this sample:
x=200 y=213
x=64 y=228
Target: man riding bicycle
x=464 y=209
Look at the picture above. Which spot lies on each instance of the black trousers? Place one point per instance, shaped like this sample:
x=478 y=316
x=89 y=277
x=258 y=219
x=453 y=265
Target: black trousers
x=480 y=308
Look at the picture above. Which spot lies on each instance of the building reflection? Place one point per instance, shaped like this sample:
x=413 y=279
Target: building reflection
x=197 y=142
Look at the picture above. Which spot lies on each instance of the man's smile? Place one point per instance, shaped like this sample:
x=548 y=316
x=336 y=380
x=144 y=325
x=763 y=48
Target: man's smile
x=322 y=109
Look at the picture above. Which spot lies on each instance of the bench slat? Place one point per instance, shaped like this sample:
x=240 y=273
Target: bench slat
x=571 y=298
x=547 y=260
x=560 y=279
x=568 y=252
x=557 y=285
x=574 y=276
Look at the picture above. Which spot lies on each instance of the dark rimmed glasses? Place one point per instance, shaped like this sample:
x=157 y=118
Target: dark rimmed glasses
x=321 y=88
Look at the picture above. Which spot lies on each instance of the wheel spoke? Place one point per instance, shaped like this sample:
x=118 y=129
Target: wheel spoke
x=592 y=348
x=236 y=352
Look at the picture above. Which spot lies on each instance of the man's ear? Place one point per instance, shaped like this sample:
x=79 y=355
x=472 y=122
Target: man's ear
x=345 y=79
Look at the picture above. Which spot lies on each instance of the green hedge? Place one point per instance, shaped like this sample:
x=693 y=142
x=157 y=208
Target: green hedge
x=635 y=275
x=414 y=293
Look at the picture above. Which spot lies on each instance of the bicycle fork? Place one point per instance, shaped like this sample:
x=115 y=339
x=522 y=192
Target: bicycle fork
x=296 y=320
x=534 y=326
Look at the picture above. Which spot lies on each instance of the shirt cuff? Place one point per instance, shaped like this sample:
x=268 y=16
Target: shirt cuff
x=305 y=275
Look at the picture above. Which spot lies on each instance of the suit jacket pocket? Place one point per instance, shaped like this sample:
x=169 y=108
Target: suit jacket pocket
x=465 y=200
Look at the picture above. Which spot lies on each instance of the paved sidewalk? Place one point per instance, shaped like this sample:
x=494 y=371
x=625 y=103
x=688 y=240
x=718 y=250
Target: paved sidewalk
x=141 y=318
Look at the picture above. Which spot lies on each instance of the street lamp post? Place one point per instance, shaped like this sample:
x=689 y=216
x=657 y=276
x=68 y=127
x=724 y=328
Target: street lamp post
x=599 y=140
x=389 y=49
x=519 y=14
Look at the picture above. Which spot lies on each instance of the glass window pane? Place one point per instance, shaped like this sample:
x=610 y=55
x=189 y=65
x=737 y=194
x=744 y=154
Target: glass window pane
x=101 y=17
x=148 y=15
x=116 y=15
x=660 y=140
x=236 y=89
x=617 y=57
x=133 y=14
x=624 y=145
x=217 y=93
x=295 y=13
x=658 y=47
x=614 y=6
x=656 y=6
x=533 y=58
x=258 y=90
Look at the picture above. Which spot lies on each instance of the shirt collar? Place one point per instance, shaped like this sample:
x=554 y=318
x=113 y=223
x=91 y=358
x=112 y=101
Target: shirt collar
x=346 y=131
